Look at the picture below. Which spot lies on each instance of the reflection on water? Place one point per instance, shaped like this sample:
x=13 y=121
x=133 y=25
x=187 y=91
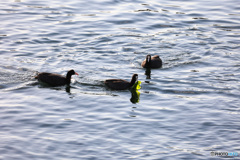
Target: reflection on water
x=187 y=109
x=135 y=96
x=68 y=89
x=148 y=73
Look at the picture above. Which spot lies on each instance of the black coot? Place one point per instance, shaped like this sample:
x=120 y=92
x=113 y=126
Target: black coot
x=55 y=79
x=152 y=62
x=119 y=84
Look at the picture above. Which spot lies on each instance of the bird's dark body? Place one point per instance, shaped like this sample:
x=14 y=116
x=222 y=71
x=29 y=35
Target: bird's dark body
x=154 y=62
x=120 y=84
x=52 y=79
x=55 y=79
x=117 y=84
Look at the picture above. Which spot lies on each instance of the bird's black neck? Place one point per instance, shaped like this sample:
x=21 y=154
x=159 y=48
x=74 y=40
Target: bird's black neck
x=132 y=81
x=148 y=61
x=68 y=78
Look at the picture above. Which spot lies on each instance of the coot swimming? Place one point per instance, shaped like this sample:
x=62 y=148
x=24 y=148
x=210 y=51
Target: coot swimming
x=152 y=62
x=119 y=84
x=55 y=79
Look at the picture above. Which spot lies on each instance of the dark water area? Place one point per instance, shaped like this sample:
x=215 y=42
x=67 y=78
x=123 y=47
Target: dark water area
x=184 y=110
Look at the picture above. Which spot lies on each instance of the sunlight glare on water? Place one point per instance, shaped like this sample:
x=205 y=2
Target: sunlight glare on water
x=188 y=109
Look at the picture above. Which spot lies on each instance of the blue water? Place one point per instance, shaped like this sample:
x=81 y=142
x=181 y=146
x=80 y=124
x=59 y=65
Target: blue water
x=185 y=110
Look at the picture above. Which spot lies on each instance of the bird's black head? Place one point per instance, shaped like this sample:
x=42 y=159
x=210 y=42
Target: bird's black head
x=134 y=79
x=69 y=75
x=72 y=72
x=148 y=61
x=148 y=58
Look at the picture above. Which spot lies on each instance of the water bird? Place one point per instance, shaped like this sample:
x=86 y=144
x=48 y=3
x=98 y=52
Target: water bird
x=152 y=62
x=53 y=79
x=119 y=84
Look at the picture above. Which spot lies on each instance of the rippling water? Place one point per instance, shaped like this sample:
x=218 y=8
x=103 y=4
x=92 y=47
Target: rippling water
x=185 y=110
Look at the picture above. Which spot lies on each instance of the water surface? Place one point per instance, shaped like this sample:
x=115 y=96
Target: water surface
x=185 y=110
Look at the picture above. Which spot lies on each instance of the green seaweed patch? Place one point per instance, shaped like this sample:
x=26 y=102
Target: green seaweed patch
x=137 y=85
